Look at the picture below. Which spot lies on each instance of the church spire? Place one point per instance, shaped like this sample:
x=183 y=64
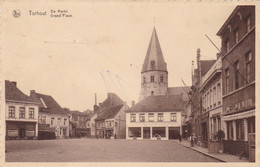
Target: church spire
x=154 y=60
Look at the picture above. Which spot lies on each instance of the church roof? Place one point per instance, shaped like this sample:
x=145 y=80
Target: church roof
x=154 y=60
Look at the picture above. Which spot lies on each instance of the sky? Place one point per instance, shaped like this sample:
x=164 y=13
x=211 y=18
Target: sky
x=101 y=48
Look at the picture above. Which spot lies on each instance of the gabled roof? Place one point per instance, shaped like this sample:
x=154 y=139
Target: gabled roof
x=111 y=100
x=15 y=94
x=159 y=103
x=109 y=113
x=77 y=113
x=206 y=65
x=178 y=91
x=154 y=53
x=49 y=102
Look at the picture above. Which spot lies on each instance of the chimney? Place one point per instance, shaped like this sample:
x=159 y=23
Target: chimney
x=14 y=83
x=32 y=92
x=133 y=103
x=218 y=55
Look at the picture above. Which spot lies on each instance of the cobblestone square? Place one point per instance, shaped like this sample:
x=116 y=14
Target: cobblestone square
x=100 y=150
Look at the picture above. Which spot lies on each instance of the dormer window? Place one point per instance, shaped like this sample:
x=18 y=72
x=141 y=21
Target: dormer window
x=152 y=62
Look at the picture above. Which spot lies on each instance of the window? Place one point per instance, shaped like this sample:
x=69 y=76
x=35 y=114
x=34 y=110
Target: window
x=236 y=74
x=43 y=119
x=161 y=78
x=227 y=80
x=173 y=117
x=151 y=117
x=227 y=45
x=210 y=97
x=152 y=93
x=248 y=24
x=152 y=62
x=144 y=80
x=214 y=96
x=65 y=121
x=22 y=112
x=236 y=36
x=31 y=113
x=152 y=78
x=219 y=92
x=58 y=122
x=248 y=66
x=133 y=118
x=11 y=111
x=141 y=118
x=52 y=121
x=160 y=117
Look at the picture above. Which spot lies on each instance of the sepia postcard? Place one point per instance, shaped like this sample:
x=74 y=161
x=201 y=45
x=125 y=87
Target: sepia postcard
x=129 y=83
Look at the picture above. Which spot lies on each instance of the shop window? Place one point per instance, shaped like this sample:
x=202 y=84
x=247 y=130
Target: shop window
x=240 y=130
x=22 y=112
x=173 y=117
x=230 y=130
x=158 y=132
x=133 y=118
x=134 y=132
x=31 y=113
x=160 y=117
x=142 y=118
x=11 y=111
x=151 y=117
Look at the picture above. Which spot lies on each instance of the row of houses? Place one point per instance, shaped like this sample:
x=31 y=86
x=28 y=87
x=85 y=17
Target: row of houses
x=222 y=96
x=39 y=116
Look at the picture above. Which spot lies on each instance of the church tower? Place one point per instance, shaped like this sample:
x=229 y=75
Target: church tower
x=154 y=74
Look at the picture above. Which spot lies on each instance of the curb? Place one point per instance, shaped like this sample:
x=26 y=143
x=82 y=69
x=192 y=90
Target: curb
x=209 y=155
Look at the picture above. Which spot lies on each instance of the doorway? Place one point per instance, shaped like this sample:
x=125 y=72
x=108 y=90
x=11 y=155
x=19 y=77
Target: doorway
x=146 y=133
x=21 y=133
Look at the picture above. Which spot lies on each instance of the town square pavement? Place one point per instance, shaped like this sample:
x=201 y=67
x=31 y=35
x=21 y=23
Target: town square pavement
x=100 y=150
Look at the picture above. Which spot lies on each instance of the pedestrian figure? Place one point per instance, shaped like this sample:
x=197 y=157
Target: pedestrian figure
x=191 y=141
x=180 y=138
x=115 y=136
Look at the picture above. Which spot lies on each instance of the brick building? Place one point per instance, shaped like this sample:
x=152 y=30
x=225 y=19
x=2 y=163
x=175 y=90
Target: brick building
x=238 y=77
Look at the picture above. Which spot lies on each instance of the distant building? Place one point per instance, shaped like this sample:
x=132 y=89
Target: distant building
x=110 y=104
x=238 y=77
x=78 y=122
x=111 y=123
x=21 y=113
x=155 y=117
x=211 y=99
x=52 y=115
x=91 y=124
